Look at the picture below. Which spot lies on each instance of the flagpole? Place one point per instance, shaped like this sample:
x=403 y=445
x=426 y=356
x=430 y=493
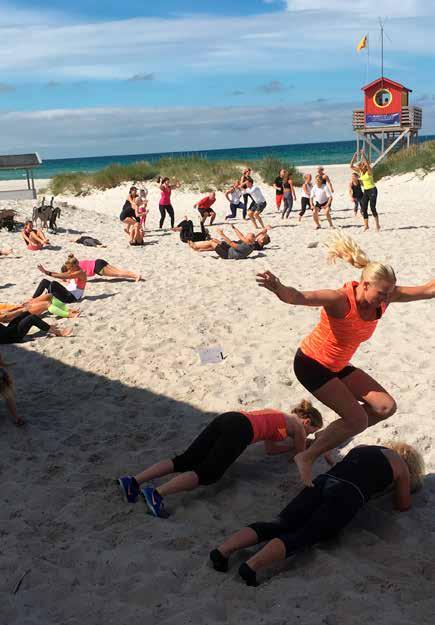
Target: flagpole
x=368 y=59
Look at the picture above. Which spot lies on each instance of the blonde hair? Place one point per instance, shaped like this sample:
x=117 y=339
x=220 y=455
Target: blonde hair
x=340 y=246
x=414 y=461
x=70 y=263
x=7 y=387
x=306 y=410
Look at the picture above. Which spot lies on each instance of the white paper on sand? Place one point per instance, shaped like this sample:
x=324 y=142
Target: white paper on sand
x=211 y=355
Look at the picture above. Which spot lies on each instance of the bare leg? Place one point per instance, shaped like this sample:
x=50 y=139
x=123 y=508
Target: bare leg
x=180 y=483
x=328 y=217
x=160 y=469
x=378 y=227
x=203 y=246
x=60 y=331
x=274 y=551
x=258 y=216
x=245 y=537
x=251 y=216
x=113 y=272
x=316 y=217
x=212 y=218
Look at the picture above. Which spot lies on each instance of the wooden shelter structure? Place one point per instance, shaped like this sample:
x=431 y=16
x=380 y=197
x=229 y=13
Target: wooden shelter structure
x=387 y=121
x=26 y=163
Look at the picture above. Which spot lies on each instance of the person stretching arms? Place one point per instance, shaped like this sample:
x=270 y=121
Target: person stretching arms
x=71 y=272
x=349 y=317
x=218 y=446
x=321 y=512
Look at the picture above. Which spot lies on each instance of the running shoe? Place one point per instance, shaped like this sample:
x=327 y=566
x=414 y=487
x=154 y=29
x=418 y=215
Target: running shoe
x=129 y=488
x=154 y=502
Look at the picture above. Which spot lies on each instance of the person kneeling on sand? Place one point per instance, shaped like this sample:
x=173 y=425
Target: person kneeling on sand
x=318 y=513
x=187 y=233
x=235 y=250
x=102 y=268
x=218 y=447
x=135 y=235
x=204 y=207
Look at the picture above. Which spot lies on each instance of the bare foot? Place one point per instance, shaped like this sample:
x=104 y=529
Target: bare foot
x=19 y=422
x=60 y=331
x=304 y=468
x=74 y=312
x=138 y=278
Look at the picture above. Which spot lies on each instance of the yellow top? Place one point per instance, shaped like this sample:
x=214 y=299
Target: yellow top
x=367 y=181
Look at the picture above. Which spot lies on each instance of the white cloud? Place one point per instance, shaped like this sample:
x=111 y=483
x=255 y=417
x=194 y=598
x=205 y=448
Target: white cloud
x=79 y=132
x=57 y=47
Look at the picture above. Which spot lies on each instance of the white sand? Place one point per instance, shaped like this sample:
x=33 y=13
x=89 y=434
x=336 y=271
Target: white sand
x=128 y=389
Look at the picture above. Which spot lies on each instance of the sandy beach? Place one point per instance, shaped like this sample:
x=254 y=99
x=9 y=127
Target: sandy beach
x=128 y=389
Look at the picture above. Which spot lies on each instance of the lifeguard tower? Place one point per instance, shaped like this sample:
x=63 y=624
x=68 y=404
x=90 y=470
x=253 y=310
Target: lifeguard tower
x=387 y=121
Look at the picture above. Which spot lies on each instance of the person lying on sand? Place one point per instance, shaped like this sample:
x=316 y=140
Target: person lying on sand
x=34 y=239
x=88 y=241
x=218 y=446
x=187 y=233
x=236 y=250
x=319 y=513
x=20 y=321
x=7 y=391
x=41 y=305
x=6 y=251
x=102 y=268
x=72 y=273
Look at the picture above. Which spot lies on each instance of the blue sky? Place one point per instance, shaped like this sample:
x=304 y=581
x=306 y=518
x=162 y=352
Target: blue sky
x=92 y=78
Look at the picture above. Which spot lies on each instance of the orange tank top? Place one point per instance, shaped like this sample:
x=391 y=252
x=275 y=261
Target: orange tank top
x=334 y=341
x=267 y=424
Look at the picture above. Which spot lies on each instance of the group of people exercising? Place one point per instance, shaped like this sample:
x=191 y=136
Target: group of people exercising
x=322 y=364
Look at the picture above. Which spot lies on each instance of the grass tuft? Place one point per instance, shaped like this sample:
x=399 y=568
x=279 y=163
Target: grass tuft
x=195 y=172
x=408 y=159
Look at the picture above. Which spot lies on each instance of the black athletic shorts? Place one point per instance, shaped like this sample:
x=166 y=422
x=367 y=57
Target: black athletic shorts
x=99 y=265
x=222 y=249
x=313 y=375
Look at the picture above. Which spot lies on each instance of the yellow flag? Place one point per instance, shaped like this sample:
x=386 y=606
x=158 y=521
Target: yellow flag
x=362 y=44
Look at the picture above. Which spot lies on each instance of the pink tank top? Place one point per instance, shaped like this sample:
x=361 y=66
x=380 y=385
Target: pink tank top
x=268 y=425
x=165 y=199
x=88 y=266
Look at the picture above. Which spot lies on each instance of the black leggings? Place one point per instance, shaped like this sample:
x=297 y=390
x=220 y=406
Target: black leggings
x=216 y=448
x=187 y=233
x=55 y=289
x=167 y=208
x=369 y=196
x=305 y=203
x=316 y=514
x=19 y=327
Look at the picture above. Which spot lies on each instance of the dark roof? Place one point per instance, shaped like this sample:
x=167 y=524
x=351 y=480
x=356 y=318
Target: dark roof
x=385 y=81
x=20 y=161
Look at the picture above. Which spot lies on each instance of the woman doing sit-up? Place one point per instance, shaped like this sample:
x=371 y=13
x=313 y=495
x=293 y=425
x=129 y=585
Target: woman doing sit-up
x=218 y=447
x=234 y=250
x=20 y=321
x=102 y=268
x=319 y=513
x=71 y=272
x=349 y=316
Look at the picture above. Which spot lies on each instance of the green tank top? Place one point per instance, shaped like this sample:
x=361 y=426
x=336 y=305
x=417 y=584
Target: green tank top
x=367 y=181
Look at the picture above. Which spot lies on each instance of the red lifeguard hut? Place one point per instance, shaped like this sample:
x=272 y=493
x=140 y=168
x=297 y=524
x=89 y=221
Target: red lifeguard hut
x=387 y=121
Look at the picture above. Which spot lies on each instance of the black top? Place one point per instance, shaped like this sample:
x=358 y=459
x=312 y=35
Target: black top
x=367 y=468
x=357 y=191
x=279 y=183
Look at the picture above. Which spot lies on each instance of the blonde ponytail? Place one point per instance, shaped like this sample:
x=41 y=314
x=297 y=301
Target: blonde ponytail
x=414 y=461
x=340 y=246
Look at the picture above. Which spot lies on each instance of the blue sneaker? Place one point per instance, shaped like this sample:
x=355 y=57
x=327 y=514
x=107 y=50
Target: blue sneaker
x=154 y=502
x=130 y=488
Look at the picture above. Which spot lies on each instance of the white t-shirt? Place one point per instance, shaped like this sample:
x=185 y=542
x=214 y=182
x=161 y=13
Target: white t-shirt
x=235 y=196
x=320 y=195
x=256 y=194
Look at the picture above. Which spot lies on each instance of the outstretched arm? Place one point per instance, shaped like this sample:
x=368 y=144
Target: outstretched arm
x=227 y=240
x=239 y=234
x=403 y=294
x=335 y=301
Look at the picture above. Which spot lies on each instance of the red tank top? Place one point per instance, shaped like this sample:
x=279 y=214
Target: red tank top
x=268 y=425
x=334 y=341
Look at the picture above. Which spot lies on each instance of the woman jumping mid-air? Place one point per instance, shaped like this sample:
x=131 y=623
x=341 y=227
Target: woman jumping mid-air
x=321 y=512
x=218 y=447
x=349 y=316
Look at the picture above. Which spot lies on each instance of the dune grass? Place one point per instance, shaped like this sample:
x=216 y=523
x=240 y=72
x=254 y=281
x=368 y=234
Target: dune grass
x=420 y=157
x=194 y=172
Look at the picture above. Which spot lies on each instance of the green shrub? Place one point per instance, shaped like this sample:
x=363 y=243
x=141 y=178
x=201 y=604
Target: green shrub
x=408 y=159
x=195 y=172
x=270 y=166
